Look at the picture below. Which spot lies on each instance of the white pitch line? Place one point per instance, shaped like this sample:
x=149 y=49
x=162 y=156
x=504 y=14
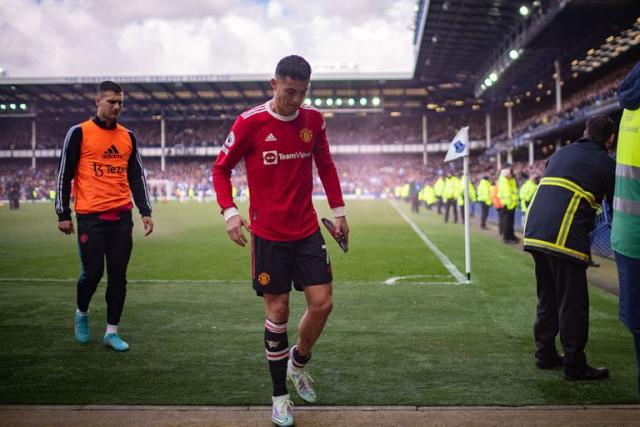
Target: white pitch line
x=397 y=280
x=442 y=257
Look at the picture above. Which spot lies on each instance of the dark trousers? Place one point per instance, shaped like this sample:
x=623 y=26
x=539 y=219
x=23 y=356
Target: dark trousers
x=100 y=239
x=629 y=302
x=14 y=203
x=563 y=306
x=636 y=341
x=415 y=204
x=509 y=217
x=501 y=221
x=484 y=214
x=462 y=213
x=439 y=204
x=451 y=205
x=629 y=279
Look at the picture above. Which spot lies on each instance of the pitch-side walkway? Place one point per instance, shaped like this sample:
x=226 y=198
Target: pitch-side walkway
x=190 y=416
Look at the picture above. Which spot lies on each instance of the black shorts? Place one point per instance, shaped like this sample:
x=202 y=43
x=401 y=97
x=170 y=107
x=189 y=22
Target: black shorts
x=275 y=265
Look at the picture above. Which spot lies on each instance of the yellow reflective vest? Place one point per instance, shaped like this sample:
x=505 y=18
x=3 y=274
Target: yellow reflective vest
x=451 y=188
x=438 y=187
x=625 y=229
x=484 y=191
x=508 y=192
x=472 y=192
x=527 y=191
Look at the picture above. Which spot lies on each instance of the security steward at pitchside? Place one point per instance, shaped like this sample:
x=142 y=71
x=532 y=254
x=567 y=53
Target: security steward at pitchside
x=102 y=159
x=561 y=215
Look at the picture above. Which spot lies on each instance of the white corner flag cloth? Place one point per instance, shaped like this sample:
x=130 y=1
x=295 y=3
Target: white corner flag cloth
x=459 y=145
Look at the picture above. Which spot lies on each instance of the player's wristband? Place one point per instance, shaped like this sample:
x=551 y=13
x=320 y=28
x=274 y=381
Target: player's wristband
x=230 y=212
x=339 y=211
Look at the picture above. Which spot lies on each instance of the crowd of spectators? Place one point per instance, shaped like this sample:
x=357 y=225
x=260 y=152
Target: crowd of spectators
x=577 y=105
x=355 y=129
x=367 y=176
x=34 y=184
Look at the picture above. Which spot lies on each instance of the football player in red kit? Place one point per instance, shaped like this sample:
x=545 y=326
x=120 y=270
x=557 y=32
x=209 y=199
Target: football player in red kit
x=279 y=142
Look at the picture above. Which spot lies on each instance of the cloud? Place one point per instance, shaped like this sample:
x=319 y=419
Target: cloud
x=86 y=37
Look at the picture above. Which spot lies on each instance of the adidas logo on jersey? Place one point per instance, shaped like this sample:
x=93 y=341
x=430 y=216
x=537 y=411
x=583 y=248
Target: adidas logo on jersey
x=270 y=137
x=111 y=153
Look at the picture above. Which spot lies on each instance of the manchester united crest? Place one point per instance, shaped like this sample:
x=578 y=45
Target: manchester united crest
x=306 y=135
x=264 y=279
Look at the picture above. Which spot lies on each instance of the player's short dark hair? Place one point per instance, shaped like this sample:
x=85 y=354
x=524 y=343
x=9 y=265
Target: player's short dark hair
x=295 y=67
x=108 y=85
x=600 y=128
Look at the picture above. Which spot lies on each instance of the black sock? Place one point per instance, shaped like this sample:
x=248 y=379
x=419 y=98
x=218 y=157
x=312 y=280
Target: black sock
x=276 y=345
x=297 y=360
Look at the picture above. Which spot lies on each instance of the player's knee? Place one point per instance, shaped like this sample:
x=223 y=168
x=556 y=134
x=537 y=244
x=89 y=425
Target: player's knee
x=279 y=313
x=92 y=276
x=324 y=307
x=117 y=278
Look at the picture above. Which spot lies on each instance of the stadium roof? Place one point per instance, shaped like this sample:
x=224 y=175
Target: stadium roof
x=205 y=95
x=458 y=44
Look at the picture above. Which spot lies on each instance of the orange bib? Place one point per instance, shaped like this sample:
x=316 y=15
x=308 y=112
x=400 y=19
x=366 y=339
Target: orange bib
x=101 y=182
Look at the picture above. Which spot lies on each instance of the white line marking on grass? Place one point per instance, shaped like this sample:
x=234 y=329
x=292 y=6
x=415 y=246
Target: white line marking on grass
x=442 y=257
x=398 y=279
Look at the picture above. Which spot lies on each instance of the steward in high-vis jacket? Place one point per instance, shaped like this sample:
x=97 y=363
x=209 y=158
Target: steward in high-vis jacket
x=508 y=195
x=484 y=196
x=559 y=221
x=429 y=196
x=450 y=195
x=625 y=229
x=527 y=190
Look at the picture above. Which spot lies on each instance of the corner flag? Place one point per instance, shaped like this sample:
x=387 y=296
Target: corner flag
x=459 y=146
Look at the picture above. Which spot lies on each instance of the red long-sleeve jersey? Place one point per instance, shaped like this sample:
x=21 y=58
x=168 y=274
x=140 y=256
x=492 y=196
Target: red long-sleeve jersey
x=278 y=152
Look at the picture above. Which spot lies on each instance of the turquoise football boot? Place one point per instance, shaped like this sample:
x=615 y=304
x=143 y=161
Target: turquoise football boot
x=302 y=381
x=281 y=411
x=115 y=342
x=82 y=329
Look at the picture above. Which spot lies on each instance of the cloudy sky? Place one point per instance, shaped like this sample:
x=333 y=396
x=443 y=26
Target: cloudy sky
x=158 y=37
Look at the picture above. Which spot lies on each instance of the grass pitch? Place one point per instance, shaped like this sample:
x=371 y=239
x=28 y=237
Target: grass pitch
x=195 y=325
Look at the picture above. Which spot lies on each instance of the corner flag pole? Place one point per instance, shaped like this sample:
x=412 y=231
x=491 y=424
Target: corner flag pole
x=460 y=148
x=467 y=242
